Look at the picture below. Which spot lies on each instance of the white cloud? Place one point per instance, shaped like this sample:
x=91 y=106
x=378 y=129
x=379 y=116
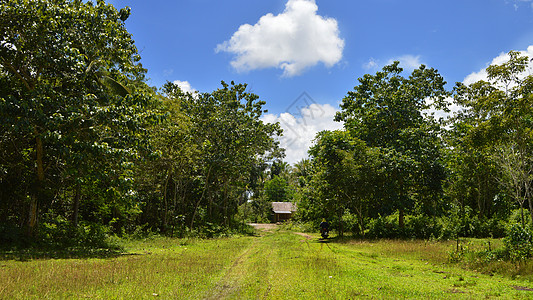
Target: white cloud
x=292 y=41
x=440 y=114
x=517 y=3
x=500 y=59
x=299 y=130
x=371 y=64
x=185 y=86
x=482 y=75
x=408 y=62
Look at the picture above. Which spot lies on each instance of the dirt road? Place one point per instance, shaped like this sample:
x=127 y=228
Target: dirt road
x=263 y=226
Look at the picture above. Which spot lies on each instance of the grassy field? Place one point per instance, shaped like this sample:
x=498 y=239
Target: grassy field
x=271 y=265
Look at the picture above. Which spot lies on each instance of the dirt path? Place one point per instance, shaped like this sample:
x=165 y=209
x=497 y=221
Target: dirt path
x=230 y=284
x=271 y=227
x=264 y=227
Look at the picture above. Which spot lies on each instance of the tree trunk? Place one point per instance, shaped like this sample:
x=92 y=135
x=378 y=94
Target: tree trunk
x=226 y=203
x=530 y=210
x=341 y=223
x=37 y=192
x=199 y=200
x=32 y=217
x=76 y=205
x=401 y=218
x=165 y=201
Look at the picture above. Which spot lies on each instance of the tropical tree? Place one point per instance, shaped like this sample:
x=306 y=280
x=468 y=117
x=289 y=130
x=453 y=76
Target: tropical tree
x=347 y=172
x=387 y=111
x=73 y=104
x=498 y=120
x=231 y=140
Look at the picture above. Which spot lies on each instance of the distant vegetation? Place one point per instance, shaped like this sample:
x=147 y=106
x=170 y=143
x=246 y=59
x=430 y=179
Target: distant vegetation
x=88 y=149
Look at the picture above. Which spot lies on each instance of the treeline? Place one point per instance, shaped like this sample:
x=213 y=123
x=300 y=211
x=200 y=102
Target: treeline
x=88 y=148
x=396 y=170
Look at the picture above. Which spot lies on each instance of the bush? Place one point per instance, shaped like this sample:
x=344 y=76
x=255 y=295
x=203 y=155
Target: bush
x=421 y=227
x=10 y=235
x=518 y=243
x=350 y=223
x=60 y=233
x=516 y=217
x=415 y=227
x=464 y=223
x=383 y=227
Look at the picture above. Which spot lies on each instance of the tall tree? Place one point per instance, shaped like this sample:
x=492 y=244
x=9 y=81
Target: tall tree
x=72 y=103
x=386 y=111
x=347 y=172
x=232 y=140
x=499 y=113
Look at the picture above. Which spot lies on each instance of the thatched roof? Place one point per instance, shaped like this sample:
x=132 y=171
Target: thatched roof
x=283 y=207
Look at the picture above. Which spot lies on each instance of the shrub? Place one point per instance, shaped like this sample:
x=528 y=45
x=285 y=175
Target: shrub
x=518 y=243
x=383 y=227
x=421 y=227
x=516 y=218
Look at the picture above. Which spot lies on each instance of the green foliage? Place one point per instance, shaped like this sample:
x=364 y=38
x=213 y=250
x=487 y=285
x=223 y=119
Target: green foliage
x=58 y=233
x=517 y=248
x=386 y=112
x=415 y=227
x=345 y=173
x=518 y=243
x=491 y=139
x=212 y=150
x=516 y=217
x=74 y=109
x=277 y=189
x=383 y=227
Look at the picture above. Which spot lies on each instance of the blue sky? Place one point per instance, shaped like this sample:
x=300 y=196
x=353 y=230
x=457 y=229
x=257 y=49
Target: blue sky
x=303 y=56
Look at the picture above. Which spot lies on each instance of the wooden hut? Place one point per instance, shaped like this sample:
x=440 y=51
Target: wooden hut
x=282 y=211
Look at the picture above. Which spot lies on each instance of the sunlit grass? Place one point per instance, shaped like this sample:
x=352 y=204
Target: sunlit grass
x=159 y=267
x=278 y=265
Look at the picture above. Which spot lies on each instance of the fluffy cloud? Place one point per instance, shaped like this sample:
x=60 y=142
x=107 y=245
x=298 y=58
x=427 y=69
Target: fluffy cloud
x=371 y=64
x=300 y=128
x=408 y=62
x=292 y=41
x=185 y=86
x=502 y=58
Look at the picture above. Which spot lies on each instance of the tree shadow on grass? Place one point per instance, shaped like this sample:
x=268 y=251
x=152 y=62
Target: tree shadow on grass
x=32 y=253
x=335 y=239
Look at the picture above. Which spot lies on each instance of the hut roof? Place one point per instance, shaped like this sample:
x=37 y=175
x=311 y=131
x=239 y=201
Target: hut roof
x=283 y=207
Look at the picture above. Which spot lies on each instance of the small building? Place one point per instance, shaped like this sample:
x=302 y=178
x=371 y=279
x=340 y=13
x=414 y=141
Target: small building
x=282 y=211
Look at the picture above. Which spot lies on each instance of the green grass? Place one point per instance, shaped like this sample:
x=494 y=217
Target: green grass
x=279 y=265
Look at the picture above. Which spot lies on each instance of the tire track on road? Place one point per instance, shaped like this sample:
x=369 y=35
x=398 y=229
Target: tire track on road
x=230 y=283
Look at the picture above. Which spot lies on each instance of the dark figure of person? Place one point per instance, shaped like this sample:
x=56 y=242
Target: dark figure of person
x=324 y=228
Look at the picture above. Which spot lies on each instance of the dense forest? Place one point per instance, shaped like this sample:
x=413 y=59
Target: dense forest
x=88 y=148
